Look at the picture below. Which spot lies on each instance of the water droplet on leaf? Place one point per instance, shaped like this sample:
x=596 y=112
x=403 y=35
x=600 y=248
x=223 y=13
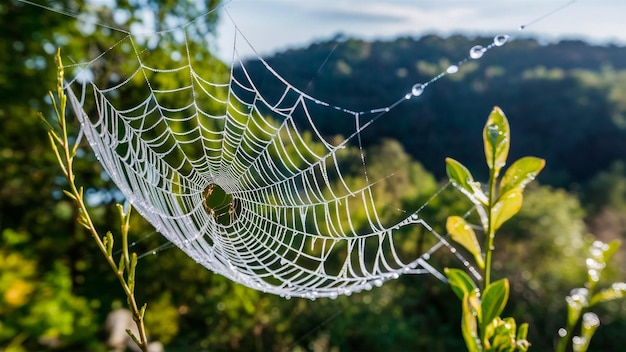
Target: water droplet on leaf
x=578 y=341
x=590 y=320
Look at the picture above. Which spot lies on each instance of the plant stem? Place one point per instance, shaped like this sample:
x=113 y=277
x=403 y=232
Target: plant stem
x=88 y=223
x=562 y=345
x=490 y=234
x=66 y=160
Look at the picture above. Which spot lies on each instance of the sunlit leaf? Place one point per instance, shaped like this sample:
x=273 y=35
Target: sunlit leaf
x=496 y=138
x=504 y=335
x=616 y=291
x=494 y=300
x=460 y=282
x=463 y=234
x=508 y=205
x=609 y=249
x=522 y=331
x=520 y=173
x=474 y=304
x=522 y=344
x=462 y=178
x=469 y=328
x=459 y=174
x=577 y=301
x=108 y=243
x=589 y=325
x=601 y=253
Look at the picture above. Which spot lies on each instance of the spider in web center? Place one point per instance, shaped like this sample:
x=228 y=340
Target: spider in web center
x=223 y=207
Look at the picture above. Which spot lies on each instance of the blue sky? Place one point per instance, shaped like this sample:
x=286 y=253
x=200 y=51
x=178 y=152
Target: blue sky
x=272 y=25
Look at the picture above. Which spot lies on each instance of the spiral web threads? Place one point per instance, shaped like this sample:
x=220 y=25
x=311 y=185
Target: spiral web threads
x=241 y=180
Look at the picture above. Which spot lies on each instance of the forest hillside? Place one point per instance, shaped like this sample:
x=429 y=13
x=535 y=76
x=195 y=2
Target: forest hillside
x=566 y=100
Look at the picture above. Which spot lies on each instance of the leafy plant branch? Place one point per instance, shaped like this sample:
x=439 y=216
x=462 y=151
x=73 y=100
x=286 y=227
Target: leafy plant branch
x=65 y=152
x=581 y=300
x=482 y=327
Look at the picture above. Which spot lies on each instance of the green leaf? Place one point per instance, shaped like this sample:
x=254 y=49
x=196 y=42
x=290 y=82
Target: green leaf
x=494 y=300
x=577 y=301
x=508 y=205
x=497 y=139
x=462 y=178
x=608 y=249
x=463 y=234
x=474 y=304
x=133 y=337
x=601 y=253
x=142 y=311
x=589 y=325
x=469 y=327
x=522 y=332
x=131 y=272
x=69 y=194
x=504 y=335
x=108 y=243
x=460 y=282
x=616 y=291
x=522 y=172
x=121 y=266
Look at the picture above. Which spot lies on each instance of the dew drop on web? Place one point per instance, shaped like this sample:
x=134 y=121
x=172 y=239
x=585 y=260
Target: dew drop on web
x=500 y=40
x=417 y=90
x=477 y=51
x=453 y=69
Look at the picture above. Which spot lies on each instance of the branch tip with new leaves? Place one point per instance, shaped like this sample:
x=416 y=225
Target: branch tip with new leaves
x=65 y=153
x=481 y=325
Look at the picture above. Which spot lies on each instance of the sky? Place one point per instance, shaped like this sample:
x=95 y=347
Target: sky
x=277 y=25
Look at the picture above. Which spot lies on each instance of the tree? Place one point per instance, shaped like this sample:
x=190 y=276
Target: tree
x=45 y=256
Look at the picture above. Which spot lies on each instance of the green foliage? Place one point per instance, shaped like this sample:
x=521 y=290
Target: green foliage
x=40 y=304
x=581 y=300
x=542 y=86
x=482 y=327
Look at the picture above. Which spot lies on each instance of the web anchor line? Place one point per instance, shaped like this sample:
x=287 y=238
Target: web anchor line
x=243 y=181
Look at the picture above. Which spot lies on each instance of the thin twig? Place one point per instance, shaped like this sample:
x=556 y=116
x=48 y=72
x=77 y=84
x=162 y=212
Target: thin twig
x=65 y=158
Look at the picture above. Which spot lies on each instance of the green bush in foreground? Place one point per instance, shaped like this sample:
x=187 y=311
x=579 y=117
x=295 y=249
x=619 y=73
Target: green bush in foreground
x=483 y=300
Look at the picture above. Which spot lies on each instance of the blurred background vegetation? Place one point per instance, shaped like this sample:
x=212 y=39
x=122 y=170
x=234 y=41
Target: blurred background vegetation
x=566 y=102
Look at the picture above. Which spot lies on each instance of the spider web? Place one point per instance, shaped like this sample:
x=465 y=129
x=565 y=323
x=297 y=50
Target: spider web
x=239 y=177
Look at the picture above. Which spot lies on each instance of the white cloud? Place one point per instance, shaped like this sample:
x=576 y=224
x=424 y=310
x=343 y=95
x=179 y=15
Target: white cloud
x=276 y=24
